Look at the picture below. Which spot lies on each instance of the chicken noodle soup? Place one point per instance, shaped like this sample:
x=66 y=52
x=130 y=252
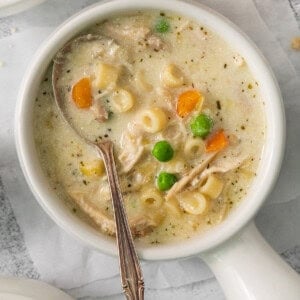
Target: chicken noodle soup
x=183 y=110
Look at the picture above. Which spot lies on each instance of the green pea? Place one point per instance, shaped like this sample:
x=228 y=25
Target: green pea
x=162 y=25
x=165 y=181
x=201 y=126
x=163 y=151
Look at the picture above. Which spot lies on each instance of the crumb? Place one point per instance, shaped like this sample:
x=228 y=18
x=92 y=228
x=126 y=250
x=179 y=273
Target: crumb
x=295 y=43
x=1 y=63
x=13 y=30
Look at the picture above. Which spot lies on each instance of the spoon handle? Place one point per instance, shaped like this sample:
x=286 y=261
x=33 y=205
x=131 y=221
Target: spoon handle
x=131 y=274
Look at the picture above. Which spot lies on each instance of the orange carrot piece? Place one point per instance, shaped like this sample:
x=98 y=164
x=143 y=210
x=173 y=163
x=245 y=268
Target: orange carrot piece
x=217 y=142
x=187 y=101
x=81 y=93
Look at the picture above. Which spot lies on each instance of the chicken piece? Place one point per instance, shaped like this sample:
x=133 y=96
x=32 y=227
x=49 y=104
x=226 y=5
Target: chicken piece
x=130 y=30
x=94 y=211
x=139 y=224
x=132 y=150
x=184 y=181
x=142 y=225
x=154 y=42
x=224 y=168
x=101 y=114
x=135 y=32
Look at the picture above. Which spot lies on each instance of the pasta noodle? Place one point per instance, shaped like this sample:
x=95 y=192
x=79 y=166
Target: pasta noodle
x=122 y=100
x=152 y=198
x=93 y=168
x=194 y=203
x=172 y=76
x=194 y=147
x=212 y=187
x=153 y=120
x=107 y=75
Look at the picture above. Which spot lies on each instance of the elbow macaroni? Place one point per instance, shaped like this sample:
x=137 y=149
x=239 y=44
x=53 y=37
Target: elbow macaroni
x=212 y=187
x=172 y=76
x=106 y=76
x=151 y=198
x=194 y=147
x=153 y=120
x=122 y=100
x=194 y=203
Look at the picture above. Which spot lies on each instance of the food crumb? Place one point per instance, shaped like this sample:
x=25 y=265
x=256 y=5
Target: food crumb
x=1 y=64
x=13 y=30
x=295 y=43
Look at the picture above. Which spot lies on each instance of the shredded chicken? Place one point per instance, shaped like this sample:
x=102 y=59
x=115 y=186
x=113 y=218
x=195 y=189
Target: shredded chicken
x=184 y=181
x=100 y=112
x=140 y=225
x=132 y=151
x=224 y=168
x=85 y=203
x=154 y=42
x=135 y=32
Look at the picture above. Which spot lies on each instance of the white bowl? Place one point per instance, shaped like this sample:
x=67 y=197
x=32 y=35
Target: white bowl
x=11 y=7
x=28 y=289
x=271 y=157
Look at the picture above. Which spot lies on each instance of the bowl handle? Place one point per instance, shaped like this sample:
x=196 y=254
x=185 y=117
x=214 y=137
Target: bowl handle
x=248 y=268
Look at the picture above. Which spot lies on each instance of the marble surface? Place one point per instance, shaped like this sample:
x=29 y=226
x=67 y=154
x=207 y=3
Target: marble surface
x=58 y=259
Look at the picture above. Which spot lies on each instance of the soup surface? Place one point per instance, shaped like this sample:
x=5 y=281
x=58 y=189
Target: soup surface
x=183 y=110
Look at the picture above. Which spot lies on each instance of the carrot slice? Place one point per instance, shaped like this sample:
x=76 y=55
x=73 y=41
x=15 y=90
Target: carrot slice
x=81 y=93
x=187 y=101
x=216 y=142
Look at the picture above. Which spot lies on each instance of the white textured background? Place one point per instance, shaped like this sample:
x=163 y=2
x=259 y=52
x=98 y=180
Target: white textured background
x=31 y=245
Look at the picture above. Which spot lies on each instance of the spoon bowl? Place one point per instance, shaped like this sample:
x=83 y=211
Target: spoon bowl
x=131 y=273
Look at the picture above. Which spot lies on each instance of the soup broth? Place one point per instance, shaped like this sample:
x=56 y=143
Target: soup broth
x=182 y=109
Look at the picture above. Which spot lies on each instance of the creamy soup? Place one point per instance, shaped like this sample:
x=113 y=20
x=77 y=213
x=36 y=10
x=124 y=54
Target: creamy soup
x=183 y=110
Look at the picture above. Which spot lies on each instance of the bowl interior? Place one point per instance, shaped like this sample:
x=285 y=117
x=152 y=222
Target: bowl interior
x=271 y=157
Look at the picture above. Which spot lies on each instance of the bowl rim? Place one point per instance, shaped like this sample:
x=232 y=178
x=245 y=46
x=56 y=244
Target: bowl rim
x=272 y=153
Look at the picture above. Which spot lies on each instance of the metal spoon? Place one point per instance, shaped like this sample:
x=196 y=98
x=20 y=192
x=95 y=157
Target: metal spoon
x=131 y=274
